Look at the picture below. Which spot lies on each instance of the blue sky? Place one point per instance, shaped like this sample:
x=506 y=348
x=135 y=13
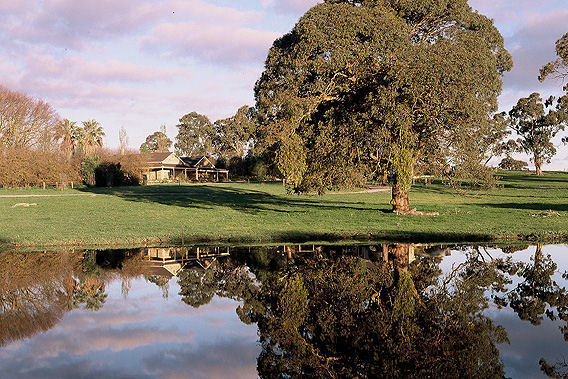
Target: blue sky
x=141 y=63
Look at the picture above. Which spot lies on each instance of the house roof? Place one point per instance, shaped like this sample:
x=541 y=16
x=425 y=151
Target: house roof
x=155 y=157
x=194 y=161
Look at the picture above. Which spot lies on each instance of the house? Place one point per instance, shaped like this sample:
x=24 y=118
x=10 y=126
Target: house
x=161 y=166
x=203 y=168
x=168 y=166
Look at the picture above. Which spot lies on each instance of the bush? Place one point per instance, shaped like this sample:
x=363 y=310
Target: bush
x=108 y=174
x=113 y=169
x=88 y=167
x=509 y=163
x=25 y=167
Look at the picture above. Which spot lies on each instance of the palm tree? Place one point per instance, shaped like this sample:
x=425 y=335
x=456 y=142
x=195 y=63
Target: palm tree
x=69 y=133
x=93 y=136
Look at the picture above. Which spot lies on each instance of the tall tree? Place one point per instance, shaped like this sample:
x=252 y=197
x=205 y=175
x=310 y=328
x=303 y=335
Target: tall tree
x=362 y=85
x=123 y=140
x=157 y=142
x=93 y=136
x=233 y=134
x=537 y=123
x=195 y=135
x=68 y=133
x=559 y=69
x=26 y=122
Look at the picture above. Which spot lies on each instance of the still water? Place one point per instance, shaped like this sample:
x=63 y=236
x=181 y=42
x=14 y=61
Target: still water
x=288 y=311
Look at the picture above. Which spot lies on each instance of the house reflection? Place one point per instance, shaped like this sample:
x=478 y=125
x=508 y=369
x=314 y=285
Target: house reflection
x=320 y=310
x=164 y=261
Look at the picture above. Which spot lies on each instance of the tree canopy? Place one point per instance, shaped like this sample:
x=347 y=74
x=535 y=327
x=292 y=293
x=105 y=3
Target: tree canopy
x=363 y=87
x=195 y=135
x=92 y=136
x=232 y=134
x=157 y=142
x=536 y=123
x=26 y=122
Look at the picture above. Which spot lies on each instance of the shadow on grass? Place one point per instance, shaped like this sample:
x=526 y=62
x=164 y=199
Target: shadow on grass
x=531 y=181
x=244 y=200
x=530 y=206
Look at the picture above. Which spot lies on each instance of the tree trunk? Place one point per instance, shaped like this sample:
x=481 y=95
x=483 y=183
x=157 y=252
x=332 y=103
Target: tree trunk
x=538 y=166
x=401 y=254
x=385 y=177
x=399 y=202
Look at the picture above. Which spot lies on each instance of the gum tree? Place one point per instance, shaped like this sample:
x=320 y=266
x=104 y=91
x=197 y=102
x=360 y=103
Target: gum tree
x=232 y=134
x=361 y=87
x=195 y=135
x=537 y=123
x=157 y=142
x=558 y=67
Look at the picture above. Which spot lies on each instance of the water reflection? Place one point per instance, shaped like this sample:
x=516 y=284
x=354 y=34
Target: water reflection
x=323 y=311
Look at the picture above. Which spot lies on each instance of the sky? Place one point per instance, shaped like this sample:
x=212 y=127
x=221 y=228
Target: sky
x=139 y=335
x=139 y=64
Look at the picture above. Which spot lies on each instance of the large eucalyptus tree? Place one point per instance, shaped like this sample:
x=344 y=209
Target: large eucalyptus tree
x=195 y=135
x=363 y=86
x=537 y=123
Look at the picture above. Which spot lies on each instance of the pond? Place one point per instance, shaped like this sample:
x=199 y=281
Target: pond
x=288 y=311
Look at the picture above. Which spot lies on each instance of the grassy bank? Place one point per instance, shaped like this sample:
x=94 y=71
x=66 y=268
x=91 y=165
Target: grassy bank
x=527 y=207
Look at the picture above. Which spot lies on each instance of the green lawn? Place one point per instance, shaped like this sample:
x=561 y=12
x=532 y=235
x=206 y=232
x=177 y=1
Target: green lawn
x=527 y=207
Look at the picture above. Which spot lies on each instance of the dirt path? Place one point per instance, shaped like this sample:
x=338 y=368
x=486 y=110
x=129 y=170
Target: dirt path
x=61 y=195
x=370 y=189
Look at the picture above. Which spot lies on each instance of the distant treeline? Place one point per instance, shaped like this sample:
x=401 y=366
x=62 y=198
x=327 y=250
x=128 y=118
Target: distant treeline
x=37 y=147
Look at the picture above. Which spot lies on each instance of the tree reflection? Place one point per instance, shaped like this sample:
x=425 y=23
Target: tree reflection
x=34 y=292
x=538 y=294
x=331 y=314
x=347 y=316
x=384 y=310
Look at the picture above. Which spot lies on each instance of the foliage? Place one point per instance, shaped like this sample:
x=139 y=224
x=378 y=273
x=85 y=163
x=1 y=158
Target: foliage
x=559 y=67
x=70 y=135
x=88 y=167
x=354 y=81
x=233 y=134
x=109 y=169
x=92 y=136
x=291 y=159
x=195 y=135
x=23 y=167
x=403 y=168
x=26 y=122
x=536 y=123
x=118 y=170
x=509 y=163
x=157 y=142
x=108 y=174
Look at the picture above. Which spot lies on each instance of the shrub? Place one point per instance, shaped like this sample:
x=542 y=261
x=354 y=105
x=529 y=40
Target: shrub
x=24 y=167
x=509 y=163
x=113 y=169
x=88 y=167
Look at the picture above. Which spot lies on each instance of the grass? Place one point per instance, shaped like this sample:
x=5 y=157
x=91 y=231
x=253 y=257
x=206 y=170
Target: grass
x=527 y=207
